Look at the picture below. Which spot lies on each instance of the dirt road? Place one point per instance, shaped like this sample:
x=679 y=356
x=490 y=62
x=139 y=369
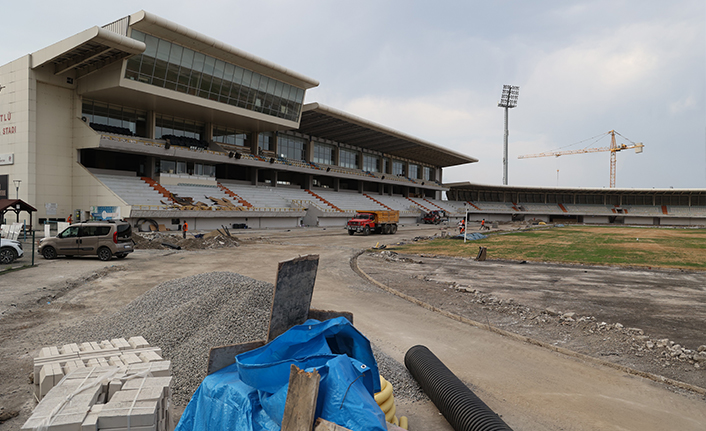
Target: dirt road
x=531 y=387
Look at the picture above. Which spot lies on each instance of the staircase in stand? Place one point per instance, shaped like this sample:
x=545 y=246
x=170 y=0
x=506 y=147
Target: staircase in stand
x=473 y=205
x=664 y=209
x=158 y=187
x=324 y=200
x=419 y=205
x=563 y=208
x=240 y=200
x=378 y=202
x=432 y=203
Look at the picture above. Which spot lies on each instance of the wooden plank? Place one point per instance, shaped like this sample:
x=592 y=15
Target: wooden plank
x=222 y=356
x=324 y=425
x=292 y=296
x=300 y=407
x=322 y=315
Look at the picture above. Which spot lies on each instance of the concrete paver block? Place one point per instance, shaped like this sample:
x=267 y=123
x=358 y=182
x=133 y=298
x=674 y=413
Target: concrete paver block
x=138 y=342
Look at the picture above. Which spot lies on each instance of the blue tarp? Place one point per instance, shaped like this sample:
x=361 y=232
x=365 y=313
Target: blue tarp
x=471 y=236
x=250 y=394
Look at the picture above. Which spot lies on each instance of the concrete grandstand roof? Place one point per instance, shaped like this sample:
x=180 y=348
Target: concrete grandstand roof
x=163 y=28
x=536 y=189
x=329 y=123
x=87 y=51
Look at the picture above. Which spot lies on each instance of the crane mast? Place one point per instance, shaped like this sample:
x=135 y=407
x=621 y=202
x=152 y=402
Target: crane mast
x=613 y=148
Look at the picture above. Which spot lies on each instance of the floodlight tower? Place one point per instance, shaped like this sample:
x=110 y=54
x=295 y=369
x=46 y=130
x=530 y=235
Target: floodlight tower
x=508 y=100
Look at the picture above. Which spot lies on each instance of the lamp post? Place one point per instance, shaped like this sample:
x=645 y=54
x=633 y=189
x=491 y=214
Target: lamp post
x=17 y=187
x=507 y=100
x=17 y=191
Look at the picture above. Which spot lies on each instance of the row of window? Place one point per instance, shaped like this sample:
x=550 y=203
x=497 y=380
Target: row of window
x=290 y=147
x=168 y=65
x=184 y=167
x=106 y=114
x=584 y=199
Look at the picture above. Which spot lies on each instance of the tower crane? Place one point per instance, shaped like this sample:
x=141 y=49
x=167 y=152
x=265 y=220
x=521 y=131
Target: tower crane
x=614 y=148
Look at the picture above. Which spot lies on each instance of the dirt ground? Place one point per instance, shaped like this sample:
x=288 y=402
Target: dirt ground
x=615 y=314
x=530 y=299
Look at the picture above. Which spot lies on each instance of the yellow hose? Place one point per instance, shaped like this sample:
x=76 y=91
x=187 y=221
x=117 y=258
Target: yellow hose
x=386 y=401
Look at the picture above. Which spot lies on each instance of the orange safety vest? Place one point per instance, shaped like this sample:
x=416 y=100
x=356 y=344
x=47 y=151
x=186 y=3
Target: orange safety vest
x=186 y=227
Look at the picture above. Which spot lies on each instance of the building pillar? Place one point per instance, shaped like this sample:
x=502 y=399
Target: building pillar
x=255 y=143
x=151 y=124
x=275 y=143
x=273 y=178
x=336 y=184
x=309 y=153
x=308 y=181
x=253 y=175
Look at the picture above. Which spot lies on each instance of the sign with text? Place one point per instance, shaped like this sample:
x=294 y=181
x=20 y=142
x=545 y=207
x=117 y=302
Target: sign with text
x=7 y=159
x=105 y=213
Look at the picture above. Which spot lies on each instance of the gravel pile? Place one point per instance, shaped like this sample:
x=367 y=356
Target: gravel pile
x=404 y=387
x=186 y=317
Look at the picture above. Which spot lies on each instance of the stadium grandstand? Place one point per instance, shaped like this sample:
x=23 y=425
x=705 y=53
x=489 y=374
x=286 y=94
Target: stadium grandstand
x=146 y=120
x=653 y=207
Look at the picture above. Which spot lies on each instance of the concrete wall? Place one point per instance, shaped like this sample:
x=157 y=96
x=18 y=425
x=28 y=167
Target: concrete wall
x=641 y=221
x=17 y=131
x=596 y=220
x=56 y=157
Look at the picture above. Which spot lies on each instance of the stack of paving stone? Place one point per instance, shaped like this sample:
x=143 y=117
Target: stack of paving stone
x=113 y=385
x=55 y=362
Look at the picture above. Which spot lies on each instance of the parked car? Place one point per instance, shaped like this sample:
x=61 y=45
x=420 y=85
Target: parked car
x=10 y=250
x=102 y=238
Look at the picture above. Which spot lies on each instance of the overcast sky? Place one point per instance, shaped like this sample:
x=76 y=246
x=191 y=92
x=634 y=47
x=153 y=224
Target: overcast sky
x=435 y=70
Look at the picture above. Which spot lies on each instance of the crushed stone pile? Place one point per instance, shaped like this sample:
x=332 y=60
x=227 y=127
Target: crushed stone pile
x=188 y=316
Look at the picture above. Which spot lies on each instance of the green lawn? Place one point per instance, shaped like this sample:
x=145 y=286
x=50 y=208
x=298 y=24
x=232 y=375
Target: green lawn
x=624 y=246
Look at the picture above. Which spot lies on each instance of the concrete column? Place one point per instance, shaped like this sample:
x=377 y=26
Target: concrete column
x=309 y=181
x=336 y=184
x=273 y=178
x=360 y=186
x=275 y=143
x=255 y=143
x=151 y=124
x=253 y=176
x=337 y=157
x=309 y=153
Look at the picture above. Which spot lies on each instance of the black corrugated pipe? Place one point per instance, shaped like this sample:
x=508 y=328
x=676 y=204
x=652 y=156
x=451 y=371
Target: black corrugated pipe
x=459 y=405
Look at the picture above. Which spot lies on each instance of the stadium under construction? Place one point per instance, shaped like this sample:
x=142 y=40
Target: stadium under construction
x=146 y=120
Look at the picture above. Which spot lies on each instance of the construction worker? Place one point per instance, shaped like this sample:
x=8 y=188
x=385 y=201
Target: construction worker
x=482 y=224
x=185 y=228
x=68 y=219
x=462 y=226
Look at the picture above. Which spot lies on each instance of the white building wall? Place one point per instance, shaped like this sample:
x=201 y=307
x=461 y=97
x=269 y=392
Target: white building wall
x=17 y=127
x=55 y=155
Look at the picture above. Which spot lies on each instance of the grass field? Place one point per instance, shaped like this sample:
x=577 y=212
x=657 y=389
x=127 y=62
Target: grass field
x=623 y=246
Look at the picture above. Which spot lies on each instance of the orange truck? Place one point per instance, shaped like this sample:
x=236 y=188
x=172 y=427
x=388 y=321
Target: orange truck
x=365 y=222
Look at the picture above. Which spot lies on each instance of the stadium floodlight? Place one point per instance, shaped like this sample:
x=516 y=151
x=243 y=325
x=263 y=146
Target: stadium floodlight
x=508 y=100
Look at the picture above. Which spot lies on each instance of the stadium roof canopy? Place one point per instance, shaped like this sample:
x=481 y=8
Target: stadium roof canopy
x=329 y=123
x=568 y=190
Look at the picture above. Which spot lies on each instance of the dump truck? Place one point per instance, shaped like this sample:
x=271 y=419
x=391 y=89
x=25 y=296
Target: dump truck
x=365 y=222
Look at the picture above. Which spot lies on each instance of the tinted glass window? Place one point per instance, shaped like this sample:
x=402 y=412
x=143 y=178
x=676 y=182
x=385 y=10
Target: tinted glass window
x=69 y=232
x=124 y=231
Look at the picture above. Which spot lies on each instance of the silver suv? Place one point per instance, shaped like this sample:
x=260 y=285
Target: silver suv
x=10 y=250
x=102 y=238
